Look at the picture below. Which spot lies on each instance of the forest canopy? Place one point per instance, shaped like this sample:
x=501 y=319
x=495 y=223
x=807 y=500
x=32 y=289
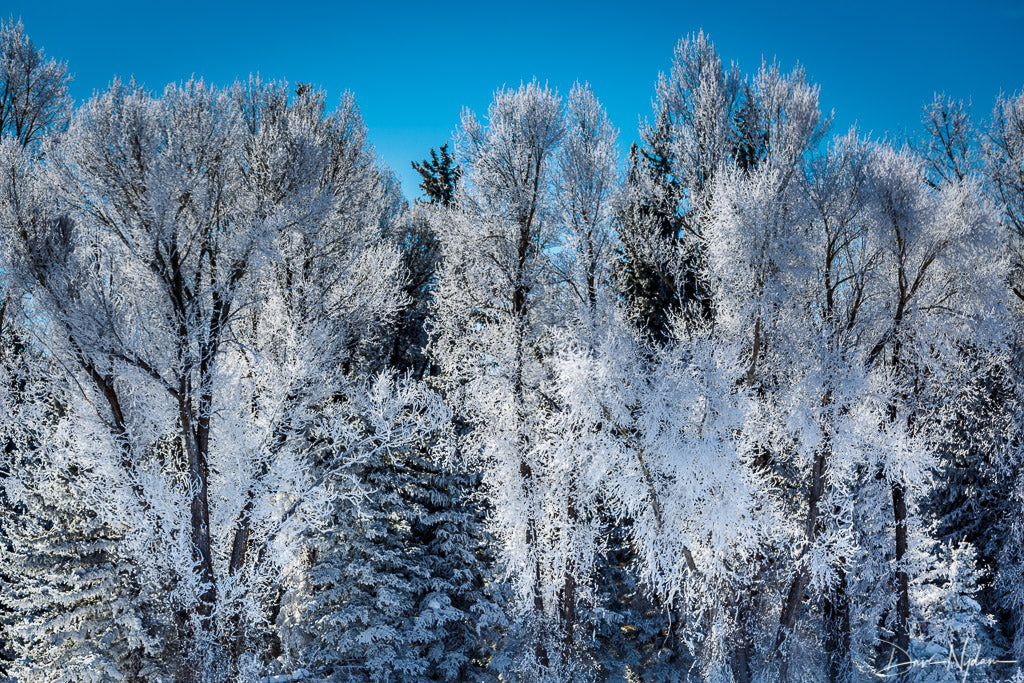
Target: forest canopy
x=742 y=404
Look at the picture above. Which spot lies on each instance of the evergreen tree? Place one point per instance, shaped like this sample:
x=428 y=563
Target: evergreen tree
x=421 y=253
x=420 y=250
x=440 y=176
x=670 y=187
x=972 y=499
x=82 y=614
x=647 y=221
x=75 y=613
x=635 y=634
x=401 y=586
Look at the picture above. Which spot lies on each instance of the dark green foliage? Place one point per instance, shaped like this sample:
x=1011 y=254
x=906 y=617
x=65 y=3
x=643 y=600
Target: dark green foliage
x=402 y=584
x=659 y=270
x=421 y=253
x=440 y=176
x=633 y=636
x=973 y=501
x=750 y=141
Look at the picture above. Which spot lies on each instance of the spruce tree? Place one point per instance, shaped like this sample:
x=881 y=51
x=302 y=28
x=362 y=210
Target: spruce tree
x=73 y=611
x=440 y=176
x=420 y=255
x=81 y=614
x=647 y=226
x=400 y=587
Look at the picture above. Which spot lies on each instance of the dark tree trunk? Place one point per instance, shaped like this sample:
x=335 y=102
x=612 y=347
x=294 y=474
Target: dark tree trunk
x=199 y=509
x=567 y=609
x=837 y=632
x=901 y=626
x=795 y=595
x=740 y=660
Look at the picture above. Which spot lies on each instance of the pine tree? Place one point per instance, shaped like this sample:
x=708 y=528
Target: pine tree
x=634 y=633
x=402 y=586
x=972 y=499
x=420 y=252
x=647 y=221
x=440 y=176
x=75 y=613
x=953 y=637
x=670 y=187
x=420 y=255
x=82 y=615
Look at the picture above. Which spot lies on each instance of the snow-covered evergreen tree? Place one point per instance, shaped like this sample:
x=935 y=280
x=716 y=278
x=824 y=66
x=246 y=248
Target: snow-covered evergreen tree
x=669 y=189
x=398 y=586
x=77 y=612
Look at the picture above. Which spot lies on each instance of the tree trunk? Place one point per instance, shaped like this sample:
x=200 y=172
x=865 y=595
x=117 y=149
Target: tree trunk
x=198 y=470
x=790 y=611
x=520 y=314
x=837 y=632
x=568 y=592
x=568 y=611
x=740 y=659
x=795 y=596
x=901 y=627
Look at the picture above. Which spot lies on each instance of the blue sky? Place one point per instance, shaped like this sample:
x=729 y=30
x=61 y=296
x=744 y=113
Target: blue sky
x=413 y=66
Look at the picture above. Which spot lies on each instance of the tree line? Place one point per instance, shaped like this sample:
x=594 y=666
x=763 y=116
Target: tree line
x=744 y=405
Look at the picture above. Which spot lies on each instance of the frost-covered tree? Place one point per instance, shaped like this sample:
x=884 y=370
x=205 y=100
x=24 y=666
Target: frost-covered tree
x=205 y=266
x=938 y=285
x=34 y=96
x=804 y=257
x=397 y=587
x=585 y=187
x=1005 y=161
x=950 y=145
x=80 y=613
x=491 y=316
x=756 y=251
x=1004 y=165
x=661 y=435
x=669 y=188
x=34 y=102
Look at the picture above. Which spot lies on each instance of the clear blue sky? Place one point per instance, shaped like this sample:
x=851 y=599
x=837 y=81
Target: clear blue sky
x=413 y=66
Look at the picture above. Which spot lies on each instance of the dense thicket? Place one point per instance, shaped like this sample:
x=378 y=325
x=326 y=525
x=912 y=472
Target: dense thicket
x=743 y=405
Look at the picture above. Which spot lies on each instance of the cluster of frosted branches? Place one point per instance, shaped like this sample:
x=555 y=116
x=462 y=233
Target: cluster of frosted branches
x=744 y=408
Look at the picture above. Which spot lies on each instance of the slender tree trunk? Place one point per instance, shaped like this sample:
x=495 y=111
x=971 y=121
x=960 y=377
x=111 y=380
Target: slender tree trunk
x=199 y=509
x=795 y=595
x=790 y=612
x=837 y=632
x=901 y=627
x=568 y=611
x=540 y=647
x=520 y=314
x=741 y=653
x=568 y=593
